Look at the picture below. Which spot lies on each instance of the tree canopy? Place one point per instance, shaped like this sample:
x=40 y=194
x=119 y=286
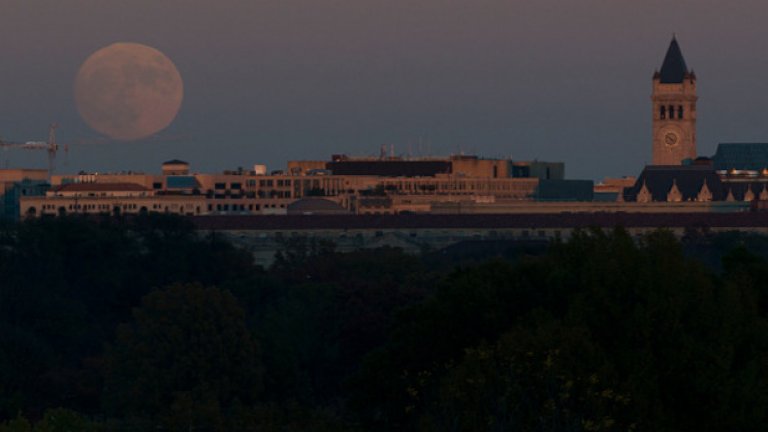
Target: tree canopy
x=147 y=324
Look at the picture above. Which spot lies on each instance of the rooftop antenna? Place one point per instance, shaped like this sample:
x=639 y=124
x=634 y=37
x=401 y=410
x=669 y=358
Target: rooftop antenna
x=52 y=147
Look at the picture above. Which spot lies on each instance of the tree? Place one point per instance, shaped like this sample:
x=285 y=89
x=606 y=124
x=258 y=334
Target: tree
x=185 y=361
x=540 y=376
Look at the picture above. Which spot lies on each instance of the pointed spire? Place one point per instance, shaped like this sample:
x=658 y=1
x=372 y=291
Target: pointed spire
x=674 y=69
x=764 y=194
x=644 y=195
x=730 y=197
x=704 y=194
x=749 y=195
x=674 y=194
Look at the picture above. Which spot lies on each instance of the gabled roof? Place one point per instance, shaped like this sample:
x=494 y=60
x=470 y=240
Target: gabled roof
x=739 y=189
x=674 y=69
x=658 y=179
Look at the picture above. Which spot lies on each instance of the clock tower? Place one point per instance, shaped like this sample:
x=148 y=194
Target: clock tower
x=674 y=110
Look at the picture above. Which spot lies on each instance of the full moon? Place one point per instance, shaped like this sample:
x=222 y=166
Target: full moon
x=128 y=91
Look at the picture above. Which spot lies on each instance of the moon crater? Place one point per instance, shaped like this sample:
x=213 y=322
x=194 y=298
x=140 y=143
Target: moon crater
x=128 y=91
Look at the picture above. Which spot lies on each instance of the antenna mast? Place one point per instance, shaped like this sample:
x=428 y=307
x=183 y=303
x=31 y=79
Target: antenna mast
x=52 y=147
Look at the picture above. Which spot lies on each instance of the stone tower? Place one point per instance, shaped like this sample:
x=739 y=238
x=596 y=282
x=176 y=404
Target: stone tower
x=674 y=110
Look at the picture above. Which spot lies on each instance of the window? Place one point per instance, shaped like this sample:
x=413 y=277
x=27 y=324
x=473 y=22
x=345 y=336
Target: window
x=680 y=112
x=671 y=112
x=236 y=186
x=663 y=112
x=220 y=186
x=157 y=185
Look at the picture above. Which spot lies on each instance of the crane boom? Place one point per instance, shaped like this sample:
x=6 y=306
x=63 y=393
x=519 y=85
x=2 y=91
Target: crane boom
x=51 y=147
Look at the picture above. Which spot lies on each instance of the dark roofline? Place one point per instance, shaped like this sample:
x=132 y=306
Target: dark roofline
x=673 y=69
x=100 y=187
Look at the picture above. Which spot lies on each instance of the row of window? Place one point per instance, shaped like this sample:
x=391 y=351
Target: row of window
x=669 y=110
x=243 y=207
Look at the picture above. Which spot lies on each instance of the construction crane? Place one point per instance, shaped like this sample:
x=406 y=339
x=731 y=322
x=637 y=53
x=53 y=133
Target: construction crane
x=51 y=146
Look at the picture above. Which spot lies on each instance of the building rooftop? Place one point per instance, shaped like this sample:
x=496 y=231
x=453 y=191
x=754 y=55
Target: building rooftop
x=100 y=187
x=741 y=156
x=674 y=69
x=689 y=179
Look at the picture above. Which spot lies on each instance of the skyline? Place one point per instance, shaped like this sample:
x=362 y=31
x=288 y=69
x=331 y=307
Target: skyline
x=277 y=81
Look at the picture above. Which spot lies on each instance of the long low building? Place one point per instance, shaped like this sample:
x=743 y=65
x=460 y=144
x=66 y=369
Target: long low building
x=413 y=233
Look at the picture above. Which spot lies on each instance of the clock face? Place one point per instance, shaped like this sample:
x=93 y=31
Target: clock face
x=671 y=139
x=670 y=136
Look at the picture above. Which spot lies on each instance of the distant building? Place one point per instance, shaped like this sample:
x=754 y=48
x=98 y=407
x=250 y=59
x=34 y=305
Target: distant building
x=539 y=170
x=388 y=168
x=612 y=189
x=175 y=167
x=676 y=184
x=244 y=192
x=741 y=156
x=674 y=110
x=456 y=165
x=565 y=190
x=18 y=183
x=316 y=206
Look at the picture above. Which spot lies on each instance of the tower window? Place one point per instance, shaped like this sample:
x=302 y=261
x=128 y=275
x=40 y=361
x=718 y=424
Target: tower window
x=671 y=112
x=680 y=112
x=663 y=112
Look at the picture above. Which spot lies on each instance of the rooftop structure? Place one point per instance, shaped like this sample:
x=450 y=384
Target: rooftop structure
x=674 y=110
x=741 y=156
x=676 y=184
x=456 y=165
x=674 y=70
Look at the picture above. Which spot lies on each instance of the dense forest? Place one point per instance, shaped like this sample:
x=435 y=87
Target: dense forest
x=146 y=324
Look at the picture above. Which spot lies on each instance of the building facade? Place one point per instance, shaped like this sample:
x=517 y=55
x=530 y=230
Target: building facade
x=674 y=110
x=390 y=187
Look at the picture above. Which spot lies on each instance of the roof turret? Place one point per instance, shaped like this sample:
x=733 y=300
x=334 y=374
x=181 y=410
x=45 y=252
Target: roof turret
x=674 y=69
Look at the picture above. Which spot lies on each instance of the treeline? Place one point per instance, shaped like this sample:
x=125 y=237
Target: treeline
x=146 y=324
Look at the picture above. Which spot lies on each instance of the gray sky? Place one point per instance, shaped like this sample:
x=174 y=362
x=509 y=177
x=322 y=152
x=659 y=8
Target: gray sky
x=272 y=80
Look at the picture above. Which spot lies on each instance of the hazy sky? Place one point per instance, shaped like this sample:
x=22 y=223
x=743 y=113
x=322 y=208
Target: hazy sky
x=271 y=80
